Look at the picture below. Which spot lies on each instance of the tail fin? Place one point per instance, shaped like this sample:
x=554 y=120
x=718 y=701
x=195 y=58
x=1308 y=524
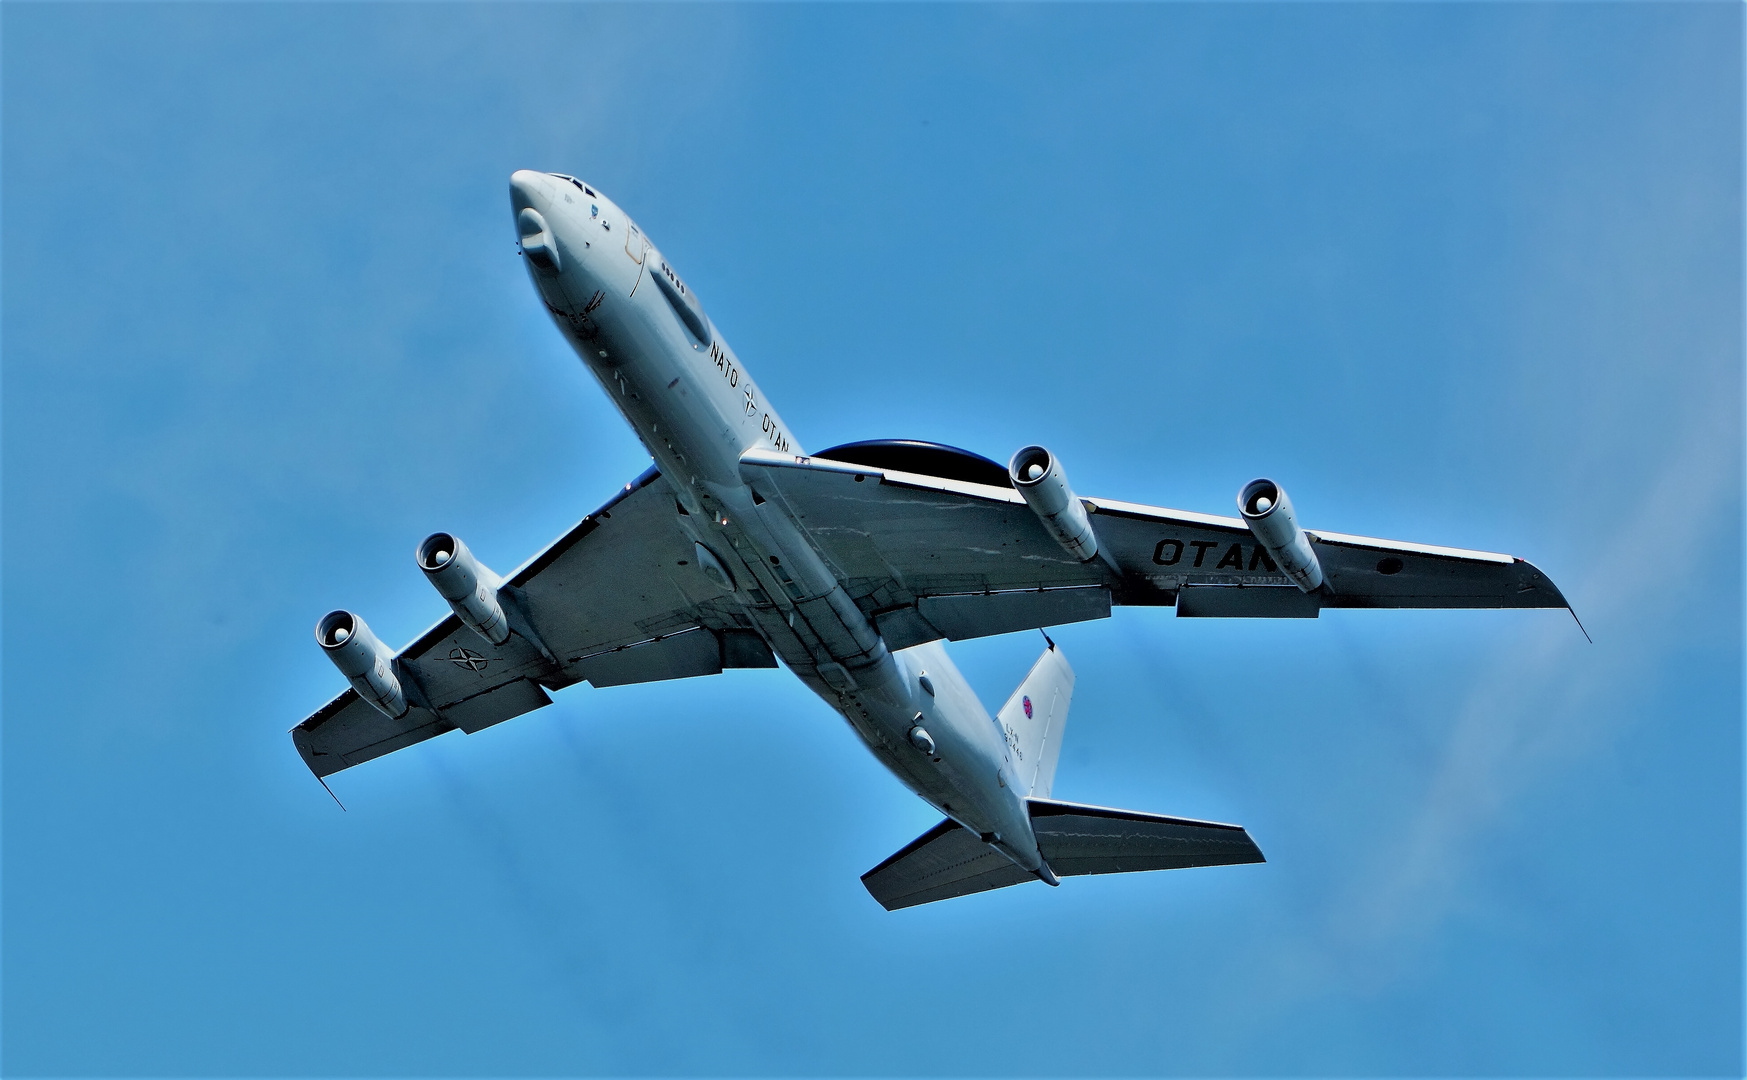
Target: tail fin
x=1036 y=714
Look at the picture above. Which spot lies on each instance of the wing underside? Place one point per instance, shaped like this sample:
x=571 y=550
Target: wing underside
x=929 y=557
x=615 y=600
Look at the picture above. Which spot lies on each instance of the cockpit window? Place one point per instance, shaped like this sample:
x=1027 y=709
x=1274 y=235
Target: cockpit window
x=586 y=190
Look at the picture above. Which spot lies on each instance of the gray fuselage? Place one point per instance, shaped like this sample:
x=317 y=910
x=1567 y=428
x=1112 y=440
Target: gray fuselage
x=639 y=329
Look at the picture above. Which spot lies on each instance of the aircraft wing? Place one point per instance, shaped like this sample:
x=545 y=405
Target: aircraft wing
x=615 y=600
x=929 y=557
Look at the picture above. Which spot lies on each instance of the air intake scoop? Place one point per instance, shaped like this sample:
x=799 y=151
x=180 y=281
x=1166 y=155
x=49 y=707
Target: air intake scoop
x=537 y=242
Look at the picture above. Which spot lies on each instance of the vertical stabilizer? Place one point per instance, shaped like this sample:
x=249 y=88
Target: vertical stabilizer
x=1035 y=716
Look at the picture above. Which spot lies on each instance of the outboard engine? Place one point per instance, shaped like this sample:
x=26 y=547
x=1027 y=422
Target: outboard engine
x=365 y=662
x=468 y=585
x=1268 y=512
x=1039 y=478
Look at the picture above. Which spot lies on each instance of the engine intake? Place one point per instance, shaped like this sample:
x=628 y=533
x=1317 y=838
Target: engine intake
x=1269 y=514
x=1039 y=478
x=468 y=585
x=365 y=662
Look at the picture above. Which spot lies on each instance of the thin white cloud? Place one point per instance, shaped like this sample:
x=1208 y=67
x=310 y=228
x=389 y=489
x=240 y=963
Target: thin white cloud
x=1541 y=705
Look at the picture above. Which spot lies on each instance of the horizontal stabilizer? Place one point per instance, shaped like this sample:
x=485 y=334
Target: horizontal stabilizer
x=946 y=861
x=1077 y=839
x=949 y=860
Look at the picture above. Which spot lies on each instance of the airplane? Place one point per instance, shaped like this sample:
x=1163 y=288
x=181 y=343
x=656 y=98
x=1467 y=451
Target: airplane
x=851 y=566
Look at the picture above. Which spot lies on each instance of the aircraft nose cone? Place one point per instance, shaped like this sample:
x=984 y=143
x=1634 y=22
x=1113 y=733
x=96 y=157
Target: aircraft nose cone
x=528 y=189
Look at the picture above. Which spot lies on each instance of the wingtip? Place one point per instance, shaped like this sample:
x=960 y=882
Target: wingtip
x=1532 y=579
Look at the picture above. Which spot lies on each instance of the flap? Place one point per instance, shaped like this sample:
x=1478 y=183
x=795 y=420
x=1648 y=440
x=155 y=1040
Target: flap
x=1247 y=602
x=971 y=615
x=689 y=653
x=496 y=705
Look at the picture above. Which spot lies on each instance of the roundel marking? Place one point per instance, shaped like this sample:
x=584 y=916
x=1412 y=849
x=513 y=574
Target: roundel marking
x=467 y=658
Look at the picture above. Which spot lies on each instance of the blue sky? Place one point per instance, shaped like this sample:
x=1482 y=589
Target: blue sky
x=1465 y=274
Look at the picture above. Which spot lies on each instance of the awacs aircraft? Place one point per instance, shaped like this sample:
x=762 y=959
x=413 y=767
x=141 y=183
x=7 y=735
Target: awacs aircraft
x=851 y=566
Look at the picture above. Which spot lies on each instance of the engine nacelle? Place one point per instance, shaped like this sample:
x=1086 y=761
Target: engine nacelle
x=1268 y=512
x=468 y=585
x=1039 y=478
x=365 y=662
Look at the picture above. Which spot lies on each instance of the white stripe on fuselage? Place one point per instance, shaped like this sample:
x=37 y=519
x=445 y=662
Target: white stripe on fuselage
x=696 y=409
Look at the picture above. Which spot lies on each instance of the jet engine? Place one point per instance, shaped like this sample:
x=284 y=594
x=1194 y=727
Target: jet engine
x=468 y=585
x=1268 y=512
x=365 y=662
x=1039 y=478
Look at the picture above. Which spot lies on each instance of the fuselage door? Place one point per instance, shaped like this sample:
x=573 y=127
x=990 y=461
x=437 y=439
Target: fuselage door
x=636 y=247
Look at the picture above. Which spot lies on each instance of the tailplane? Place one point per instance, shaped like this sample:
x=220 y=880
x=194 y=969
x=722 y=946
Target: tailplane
x=1078 y=839
x=946 y=861
x=949 y=860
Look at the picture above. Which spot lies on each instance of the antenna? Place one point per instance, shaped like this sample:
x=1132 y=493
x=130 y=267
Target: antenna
x=330 y=791
x=1579 y=623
